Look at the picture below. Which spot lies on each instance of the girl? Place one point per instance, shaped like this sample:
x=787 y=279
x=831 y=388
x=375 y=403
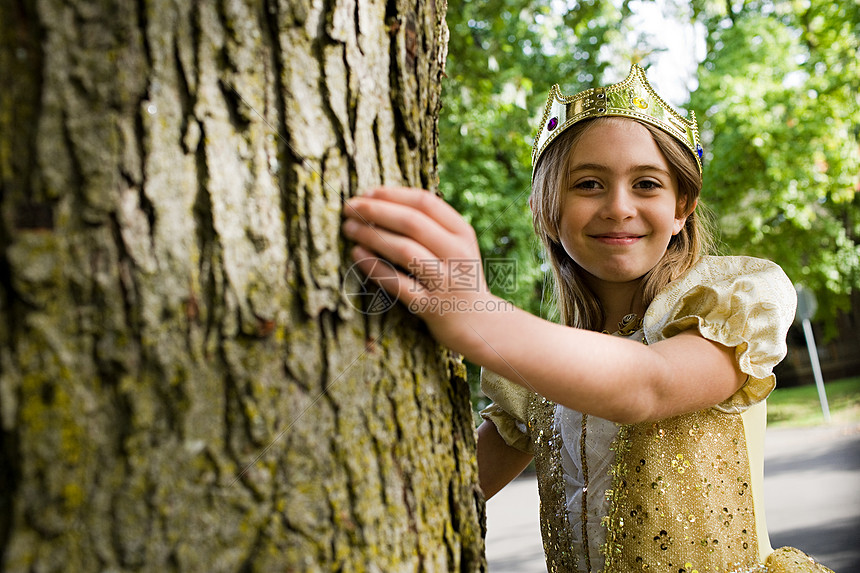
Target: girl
x=648 y=443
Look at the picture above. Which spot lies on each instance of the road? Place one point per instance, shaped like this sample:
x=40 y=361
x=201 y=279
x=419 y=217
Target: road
x=812 y=502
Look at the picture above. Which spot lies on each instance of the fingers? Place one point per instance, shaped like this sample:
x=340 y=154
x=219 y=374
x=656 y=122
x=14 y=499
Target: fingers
x=397 y=248
x=419 y=233
x=377 y=216
x=425 y=202
x=394 y=282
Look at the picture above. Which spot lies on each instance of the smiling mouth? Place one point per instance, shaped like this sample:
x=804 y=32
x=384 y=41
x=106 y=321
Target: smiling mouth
x=617 y=238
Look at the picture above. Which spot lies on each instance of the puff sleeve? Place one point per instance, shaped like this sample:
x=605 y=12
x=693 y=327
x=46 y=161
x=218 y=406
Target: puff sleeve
x=740 y=302
x=509 y=409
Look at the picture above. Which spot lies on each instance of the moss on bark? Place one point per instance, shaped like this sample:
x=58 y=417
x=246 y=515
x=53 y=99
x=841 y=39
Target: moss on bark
x=185 y=385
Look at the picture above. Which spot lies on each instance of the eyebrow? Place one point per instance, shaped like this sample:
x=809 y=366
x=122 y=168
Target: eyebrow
x=600 y=167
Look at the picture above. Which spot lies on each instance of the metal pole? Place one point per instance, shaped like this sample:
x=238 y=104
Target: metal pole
x=816 y=369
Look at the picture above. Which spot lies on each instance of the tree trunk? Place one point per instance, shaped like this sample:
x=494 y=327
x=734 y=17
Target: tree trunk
x=187 y=382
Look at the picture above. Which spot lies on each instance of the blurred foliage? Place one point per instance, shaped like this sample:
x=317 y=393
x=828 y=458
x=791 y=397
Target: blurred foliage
x=780 y=115
x=777 y=102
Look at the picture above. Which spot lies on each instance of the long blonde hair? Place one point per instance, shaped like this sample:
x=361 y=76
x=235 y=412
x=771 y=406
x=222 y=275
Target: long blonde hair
x=576 y=303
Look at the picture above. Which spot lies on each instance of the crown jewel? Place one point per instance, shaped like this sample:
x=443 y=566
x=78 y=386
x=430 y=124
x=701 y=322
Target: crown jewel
x=634 y=97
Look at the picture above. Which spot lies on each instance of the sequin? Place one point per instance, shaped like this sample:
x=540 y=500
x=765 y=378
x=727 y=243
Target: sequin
x=674 y=448
x=561 y=553
x=583 y=437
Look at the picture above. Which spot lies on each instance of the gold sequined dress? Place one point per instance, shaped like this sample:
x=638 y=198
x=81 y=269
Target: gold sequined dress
x=680 y=495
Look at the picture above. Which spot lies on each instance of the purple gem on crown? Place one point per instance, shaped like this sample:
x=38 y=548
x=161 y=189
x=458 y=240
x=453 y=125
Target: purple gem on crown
x=553 y=123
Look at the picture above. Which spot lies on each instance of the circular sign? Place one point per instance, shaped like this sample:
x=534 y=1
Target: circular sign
x=806 y=303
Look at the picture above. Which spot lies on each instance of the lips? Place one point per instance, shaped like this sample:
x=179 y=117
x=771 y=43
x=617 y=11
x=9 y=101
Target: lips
x=617 y=238
x=618 y=235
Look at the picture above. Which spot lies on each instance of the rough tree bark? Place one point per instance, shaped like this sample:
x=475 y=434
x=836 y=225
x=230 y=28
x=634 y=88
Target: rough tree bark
x=184 y=382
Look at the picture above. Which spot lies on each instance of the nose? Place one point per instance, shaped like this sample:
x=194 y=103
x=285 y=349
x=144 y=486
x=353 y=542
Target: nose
x=619 y=205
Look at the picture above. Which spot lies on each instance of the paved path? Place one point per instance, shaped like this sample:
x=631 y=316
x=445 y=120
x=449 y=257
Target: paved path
x=812 y=500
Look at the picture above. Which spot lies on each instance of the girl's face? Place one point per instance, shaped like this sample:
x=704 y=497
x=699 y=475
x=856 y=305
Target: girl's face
x=621 y=205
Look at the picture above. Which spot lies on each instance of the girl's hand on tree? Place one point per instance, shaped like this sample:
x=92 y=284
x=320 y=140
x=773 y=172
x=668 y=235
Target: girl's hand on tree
x=439 y=275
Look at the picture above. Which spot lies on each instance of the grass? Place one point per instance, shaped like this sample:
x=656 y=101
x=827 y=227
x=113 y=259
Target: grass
x=799 y=406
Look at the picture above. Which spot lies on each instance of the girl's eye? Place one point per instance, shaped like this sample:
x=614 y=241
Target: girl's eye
x=647 y=184
x=587 y=184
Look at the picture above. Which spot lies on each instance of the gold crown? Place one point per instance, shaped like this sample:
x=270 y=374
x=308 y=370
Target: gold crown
x=634 y=98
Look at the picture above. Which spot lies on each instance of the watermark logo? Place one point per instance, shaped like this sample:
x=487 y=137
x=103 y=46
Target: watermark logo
x=363 y=294
x=443 y=306
x=436 y=276
x=464 y=275
x=502 y=275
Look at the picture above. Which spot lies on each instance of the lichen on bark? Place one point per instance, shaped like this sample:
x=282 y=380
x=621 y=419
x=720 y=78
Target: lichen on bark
x=184 y=382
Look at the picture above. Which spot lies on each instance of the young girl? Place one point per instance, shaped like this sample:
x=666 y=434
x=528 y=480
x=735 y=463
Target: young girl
x=647 y=443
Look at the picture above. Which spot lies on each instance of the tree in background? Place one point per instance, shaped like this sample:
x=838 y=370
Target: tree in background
x=184 y=383
x=779 y=93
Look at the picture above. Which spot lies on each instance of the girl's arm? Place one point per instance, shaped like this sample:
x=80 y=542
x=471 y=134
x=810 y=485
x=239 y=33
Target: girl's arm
x=498 y=463
x=586 y=371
